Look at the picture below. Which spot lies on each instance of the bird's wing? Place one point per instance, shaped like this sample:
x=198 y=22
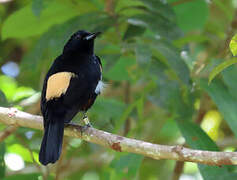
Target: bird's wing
x=66 y=93
x=57 y=84
x=99 y=61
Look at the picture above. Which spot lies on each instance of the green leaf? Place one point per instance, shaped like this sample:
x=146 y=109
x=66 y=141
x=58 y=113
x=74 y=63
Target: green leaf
x=139 y=105
x=22 y=92
x=37 y=7
x=120 y=71
x=127 y=165
x=124 y=116
x=224 y=7
x=140 y=108
x=175 y=62
x=133 y=31
x=2 y=162
x=198 y=139
x=90 y=175
x=23 y=152
x=233 y=45
x=27 y=177
x=128 y=7
x=189 y=16
x=220 y=68
x=225 y=102
x=143 y=54
x=75 y=142
x=106 y=111
x=229 y=76
x=3 y=100
x=159 y=7
x=216 y=173
x=23 y=23
x=157 y=24
x=109 y=107
x=188 y=38
x=169 y=126
x=8 y=86
x=162 y=94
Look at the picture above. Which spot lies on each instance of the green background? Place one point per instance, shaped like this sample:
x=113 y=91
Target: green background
x=157 y=56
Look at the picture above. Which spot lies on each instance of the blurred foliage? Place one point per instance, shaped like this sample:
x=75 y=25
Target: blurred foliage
x=220 y=68
x=171 y=79
x=233 y=45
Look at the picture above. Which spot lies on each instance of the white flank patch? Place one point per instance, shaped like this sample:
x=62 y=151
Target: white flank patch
x=99 y=88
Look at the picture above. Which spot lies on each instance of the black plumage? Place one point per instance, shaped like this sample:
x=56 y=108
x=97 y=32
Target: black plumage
x=71 y=85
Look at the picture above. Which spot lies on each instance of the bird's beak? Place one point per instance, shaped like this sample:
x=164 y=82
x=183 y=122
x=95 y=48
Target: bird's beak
x=92 y=36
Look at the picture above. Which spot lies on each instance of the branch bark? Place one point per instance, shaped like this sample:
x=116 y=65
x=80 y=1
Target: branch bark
x=12 y=116
x=7 y=132
x=178 y=170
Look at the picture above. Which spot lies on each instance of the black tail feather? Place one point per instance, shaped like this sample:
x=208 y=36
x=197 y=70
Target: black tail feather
x=51 y=145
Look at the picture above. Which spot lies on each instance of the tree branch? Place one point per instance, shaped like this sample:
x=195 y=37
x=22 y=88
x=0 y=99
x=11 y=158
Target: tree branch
x=12 y=116
x=180 y=2
x=7 y=132
x=178 y=170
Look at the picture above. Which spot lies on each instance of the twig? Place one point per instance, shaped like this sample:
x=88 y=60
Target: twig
x=119 y=143
x=22 y=140
x=178 y=169
x=127 y=101
x=180 y=2
x=81 y=164
x=59 y=168
x=229 y=34
x=110 y=7
x=227 y=142
x=7 y=132
x=203 y=108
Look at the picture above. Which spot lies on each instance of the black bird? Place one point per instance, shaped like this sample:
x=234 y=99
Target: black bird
x=71 y=85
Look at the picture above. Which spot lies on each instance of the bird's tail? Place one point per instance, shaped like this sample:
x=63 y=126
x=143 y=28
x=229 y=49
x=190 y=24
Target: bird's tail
x=51 y=145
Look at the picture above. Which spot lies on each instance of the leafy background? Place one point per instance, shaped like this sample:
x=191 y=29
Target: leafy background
x=157 y=57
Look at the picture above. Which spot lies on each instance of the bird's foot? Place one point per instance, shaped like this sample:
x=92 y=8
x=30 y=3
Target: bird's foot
x=87 y=124
x=86 y=121
x=84 y=128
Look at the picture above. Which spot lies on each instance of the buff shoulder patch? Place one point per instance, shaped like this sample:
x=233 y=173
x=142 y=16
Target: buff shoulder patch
x=57 y=84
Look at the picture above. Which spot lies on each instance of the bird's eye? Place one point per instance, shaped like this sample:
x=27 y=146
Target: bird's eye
x=78 y=36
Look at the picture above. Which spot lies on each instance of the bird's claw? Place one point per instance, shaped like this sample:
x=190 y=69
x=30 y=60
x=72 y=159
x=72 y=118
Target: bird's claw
x=86 y=121
x=85 y=127
x=87 y=124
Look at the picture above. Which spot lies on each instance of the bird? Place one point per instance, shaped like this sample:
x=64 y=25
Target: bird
x=71 y=85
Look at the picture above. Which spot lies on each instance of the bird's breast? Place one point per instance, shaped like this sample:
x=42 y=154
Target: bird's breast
x=99 y=87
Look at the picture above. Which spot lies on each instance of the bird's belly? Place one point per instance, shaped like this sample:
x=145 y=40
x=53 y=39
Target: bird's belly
x=88 y=103
x=84 y=87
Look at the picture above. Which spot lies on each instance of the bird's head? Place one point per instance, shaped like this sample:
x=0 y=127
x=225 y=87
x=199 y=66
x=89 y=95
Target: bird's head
x=81 y=42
